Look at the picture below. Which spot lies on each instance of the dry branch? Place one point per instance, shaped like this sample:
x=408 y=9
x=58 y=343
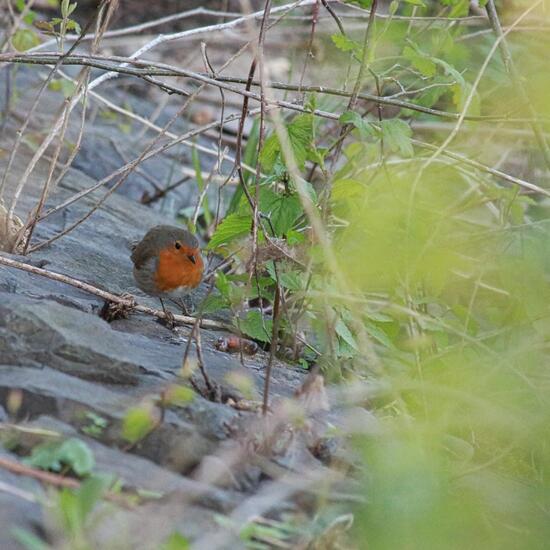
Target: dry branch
x=108 y=296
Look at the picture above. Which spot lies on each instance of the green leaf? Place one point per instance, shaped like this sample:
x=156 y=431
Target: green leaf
x=231 y=228
x=294 y=237
x=64 y=8
x=255 y=326
x=345 y=334
x=300 y=136
x=89 y=494
x=24 y=40
x=30 y=17
x=179 y=395
x=73 y=26
x=66 y=87
x=460 y=8
x=53 y=456
x=28 y=540
x=222 y=284
x=364 y=127
x=291 y=280
x=344 y=189
x=137 y=424
x=460 y=95
x=75 y=505
x=214 y=302
x=270 y=152
x=415 y=3
x=422 y=63
x=281 y=209
x=78 y=455
x=379 y=335
x=397 y=136
x=345 y=44
x=176 y=541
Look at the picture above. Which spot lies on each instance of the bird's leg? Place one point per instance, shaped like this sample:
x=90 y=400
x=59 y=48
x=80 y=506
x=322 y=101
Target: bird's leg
x=183 y=304
x=168 y=316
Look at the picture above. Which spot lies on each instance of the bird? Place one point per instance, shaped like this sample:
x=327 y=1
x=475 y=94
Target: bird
x=167 y=264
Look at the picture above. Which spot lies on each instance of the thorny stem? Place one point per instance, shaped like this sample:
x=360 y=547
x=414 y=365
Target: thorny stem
x=365 y=57
x=516 y=79
x=273 y=347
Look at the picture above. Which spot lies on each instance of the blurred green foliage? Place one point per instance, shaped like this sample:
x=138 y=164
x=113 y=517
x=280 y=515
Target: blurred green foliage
x=434 y=284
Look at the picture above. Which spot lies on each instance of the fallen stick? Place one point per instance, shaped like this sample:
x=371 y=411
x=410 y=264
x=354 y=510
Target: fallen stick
x=129 y=303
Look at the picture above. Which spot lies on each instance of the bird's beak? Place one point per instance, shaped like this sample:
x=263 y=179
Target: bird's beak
x=192 y=258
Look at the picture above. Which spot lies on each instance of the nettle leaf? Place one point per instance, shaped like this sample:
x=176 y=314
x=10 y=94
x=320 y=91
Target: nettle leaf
x=270 y=152
x=24 y=39
x=300 y=136
x=365 y=128
x=397 y=136
x=282 y=209
x=300 y=133
x=214 y=302
x=344 y=43
x=231 y=228
x=222 y=284
x=291 y=280
x=255 y=326
x=423 y=63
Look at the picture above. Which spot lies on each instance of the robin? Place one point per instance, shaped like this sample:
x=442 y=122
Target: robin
x=167 y=263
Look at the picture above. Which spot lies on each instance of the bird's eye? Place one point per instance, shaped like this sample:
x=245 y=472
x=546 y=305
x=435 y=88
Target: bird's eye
x=178 y=245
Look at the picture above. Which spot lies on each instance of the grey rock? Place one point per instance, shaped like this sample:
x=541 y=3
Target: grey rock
x=40 y=333
x=175 y=443
x=139 y=474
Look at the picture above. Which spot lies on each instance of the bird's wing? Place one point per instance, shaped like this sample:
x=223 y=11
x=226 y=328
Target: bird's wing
x=142 y=253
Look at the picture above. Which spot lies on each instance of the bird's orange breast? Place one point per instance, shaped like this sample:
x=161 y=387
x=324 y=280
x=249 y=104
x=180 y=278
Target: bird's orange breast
x=175 y=270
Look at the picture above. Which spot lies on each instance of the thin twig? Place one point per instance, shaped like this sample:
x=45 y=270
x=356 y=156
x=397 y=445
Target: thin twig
x=109 y=296
x=147 y=68
x=272 y=348
x=23 y=128
x=515 y=77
